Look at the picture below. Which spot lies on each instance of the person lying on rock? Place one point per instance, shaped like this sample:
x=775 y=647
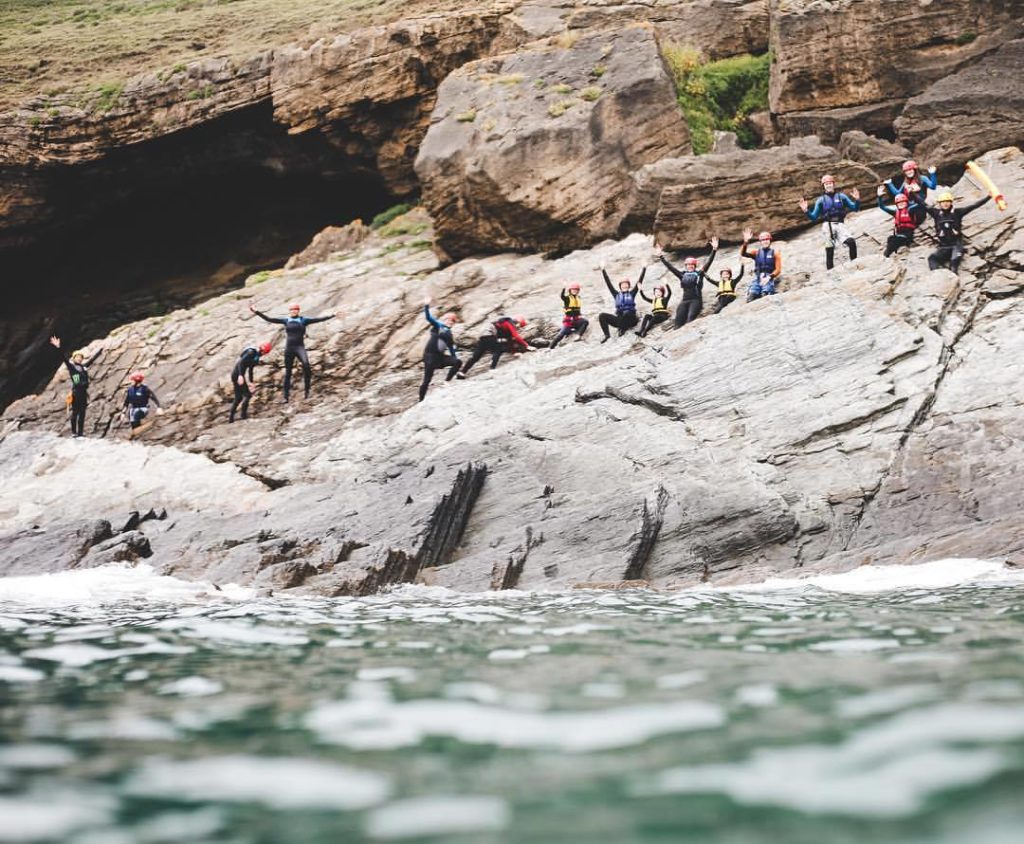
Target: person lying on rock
x=624 y=317
x=242 y=377
x=904 y=221
x=949 y=230
x=691 y=281
x=503 y=337
x=726 y=288
x=136 y=400
x=572 y=318
x=832 y=208
x=767 y=265
x=295 y=343
x=659 y=308
x=440 y=351
x=915 y=185
x=78 y=369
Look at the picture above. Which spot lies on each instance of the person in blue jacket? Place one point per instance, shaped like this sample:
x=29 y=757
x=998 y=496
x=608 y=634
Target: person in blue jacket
x=915 y=185
x=832 y=207
x=440 y=351
x=624 y=317
x=295 y=343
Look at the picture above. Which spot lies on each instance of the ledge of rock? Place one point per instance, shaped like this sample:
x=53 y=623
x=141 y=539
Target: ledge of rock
x=534 y=149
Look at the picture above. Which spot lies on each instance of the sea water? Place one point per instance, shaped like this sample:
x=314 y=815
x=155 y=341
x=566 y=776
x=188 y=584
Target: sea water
x=884 y=705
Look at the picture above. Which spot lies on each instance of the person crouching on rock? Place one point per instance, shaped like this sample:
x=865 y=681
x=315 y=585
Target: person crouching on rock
x=767 y=265
x=904 y=221
x=78 y=369
x=691 y=281
x=624 y=317
x=572 y=318
x=659 y=308
x=295 y=343
x=504 y=337
x=726 y=288
x=949 y=230
x=915 y=185
x=832 y=207
x=137 y=399
x=440 y=350
x=242 y=377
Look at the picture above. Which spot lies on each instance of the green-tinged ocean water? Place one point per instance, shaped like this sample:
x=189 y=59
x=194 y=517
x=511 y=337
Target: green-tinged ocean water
x=791 y=715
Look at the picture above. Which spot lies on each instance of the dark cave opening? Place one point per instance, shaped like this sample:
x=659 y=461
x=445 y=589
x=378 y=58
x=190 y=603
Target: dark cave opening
x=168 y=224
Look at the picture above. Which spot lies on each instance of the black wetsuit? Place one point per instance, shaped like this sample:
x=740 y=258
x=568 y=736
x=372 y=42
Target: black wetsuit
x=659 y=313
x=438 y=353
x=948 y=231
x=624 y=317
x=79 y=373
x=136 y=400
x=726 y=291
x=294 y=347
x=692 y=283
x=505 y=336
x=243 y=370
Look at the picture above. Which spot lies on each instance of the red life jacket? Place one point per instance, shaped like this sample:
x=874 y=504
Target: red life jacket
x=904 y=220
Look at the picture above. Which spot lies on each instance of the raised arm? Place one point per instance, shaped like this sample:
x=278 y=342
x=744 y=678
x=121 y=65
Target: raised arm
x=639 y=281
x=814 y=213
x=930 y=179
x=436 y=323
x=974 y=206
x=311 y=320
x=711 y=257
x=736 y=279
x=608 y=283
x=852 y=203
x=263 y=316
x=668 y=294
x=645 y=297
x=888 y=209
x=676 y=272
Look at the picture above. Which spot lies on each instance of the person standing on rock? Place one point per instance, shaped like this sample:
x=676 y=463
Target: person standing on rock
x=904 y=221
x=242 y=377
x=832 y=207
x=691 y=281
x=624 y=317
x=572 y=315
x=504 y=337
x=949 y=230
x=915 y=185
x=767 y=265
x=137 y=399
x=440 y=351
x=726 y=288
x=659 y=309
x=295 y=343
x=78 y=369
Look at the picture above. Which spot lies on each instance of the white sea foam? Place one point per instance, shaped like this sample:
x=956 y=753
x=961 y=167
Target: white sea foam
x=419 y=817
x=50 y=817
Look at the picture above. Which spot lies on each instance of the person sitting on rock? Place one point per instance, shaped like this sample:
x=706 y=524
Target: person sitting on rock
x=949 y=230
x=915 y=185
x=726 y=288
x=137 y=399
x=691 y=281
x=572 y=319
x=624 y=317
x=767 y=265
x=904 y=221
x=295 y=343
x=659 y=308
x=440 y=351
x=242 y=377
x=504 y=337
x=832 y=207
x=78 y=369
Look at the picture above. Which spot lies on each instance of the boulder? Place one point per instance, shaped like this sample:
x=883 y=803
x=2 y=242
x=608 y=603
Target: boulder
x=871 y=52
x=533 y=150
x=331 y=240
x=877 y=153
x=692 y=199
x=829 y=124
x=963 y=115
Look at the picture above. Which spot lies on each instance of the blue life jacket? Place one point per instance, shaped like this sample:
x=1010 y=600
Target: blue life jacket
x=764 y=261
x=138 y=396
x=625 y=302
x=833 y=208
x=690 y=282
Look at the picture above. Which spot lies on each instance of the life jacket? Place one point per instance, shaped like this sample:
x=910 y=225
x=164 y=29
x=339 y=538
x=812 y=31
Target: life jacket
x=658 y=305
x=500 y=326
x=832 y=207
x=573 y=304
x=138 y=396
x=625 y=302
x=726 y=287
x=690 y=282
x=764 y=261
x=79 y=377
x=947 y=227
x=904 y=220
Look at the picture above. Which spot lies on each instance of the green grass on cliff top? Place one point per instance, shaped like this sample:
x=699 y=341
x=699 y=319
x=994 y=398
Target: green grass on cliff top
x=56 y=46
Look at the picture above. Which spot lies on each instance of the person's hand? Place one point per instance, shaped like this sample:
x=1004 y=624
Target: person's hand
x=159 y=411
x=748 y=234
x=428 y=299
x=931 y=170
x=241 y=380
x=252 y=308
x=914 y=187
x=339 y=314
x=658 y=251
x=855 y=193
x=602 y=266
x=803 y=204
x=714 y=243
x=55 y=342
x=881 y=190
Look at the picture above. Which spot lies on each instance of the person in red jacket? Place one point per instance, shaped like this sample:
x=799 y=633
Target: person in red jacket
x=504 y=337
x=904 y=221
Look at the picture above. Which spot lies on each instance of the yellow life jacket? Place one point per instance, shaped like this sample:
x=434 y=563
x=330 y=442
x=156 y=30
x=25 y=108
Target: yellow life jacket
x=573 y=304
x=726 y=287
x=658 y=305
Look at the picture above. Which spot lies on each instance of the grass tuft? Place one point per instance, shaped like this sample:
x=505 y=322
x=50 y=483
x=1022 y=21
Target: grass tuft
x=466 y=116
x=590 y=93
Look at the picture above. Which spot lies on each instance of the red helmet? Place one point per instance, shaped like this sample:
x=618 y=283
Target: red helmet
x=137 y=377
x=690 y=261
x=901 y=199
x=521 y=321
x=265 y=349
x=294 y=307
x=764 y=235
x=828 y=178
x=574 y=286
x=909 y=165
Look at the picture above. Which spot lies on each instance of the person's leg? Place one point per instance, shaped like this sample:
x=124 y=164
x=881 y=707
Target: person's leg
x=626 y=321
x=563 y=332
x=605 y=320
x=645 y=325
x=235 y=401
x=429 y=365
x=939 y=257
x=478 y=352
x=955 y=257
x=830 y=257
x=78 y=405
x=246 y=395
x=754 y=290
x=581 y=325
x=307 y=372
x=499 y=350
x=851 y=244
x=289 y=361
x=453 y=364
x=768 y=286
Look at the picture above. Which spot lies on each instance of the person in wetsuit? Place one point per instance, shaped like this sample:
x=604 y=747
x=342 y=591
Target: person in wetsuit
x=624 y=317
x=767 y=265
x=691 y=280
x=242 y=378
x=505 y=337
x=915 y=185
x=905 y=217
x=295 y=345
x=659 y=308
x=78 y=369
x=832 y=207
x=572 y=318
x=137 y=399
x=726 y=288
x=949 y=230
x=440 y=351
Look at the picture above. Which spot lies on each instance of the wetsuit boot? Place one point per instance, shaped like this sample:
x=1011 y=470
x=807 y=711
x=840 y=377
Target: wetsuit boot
x=851 y=244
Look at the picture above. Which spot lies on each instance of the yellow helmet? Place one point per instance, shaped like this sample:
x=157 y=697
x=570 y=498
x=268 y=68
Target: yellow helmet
x=946 y=196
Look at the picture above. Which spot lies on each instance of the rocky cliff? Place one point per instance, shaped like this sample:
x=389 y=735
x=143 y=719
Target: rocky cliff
x=867 y=415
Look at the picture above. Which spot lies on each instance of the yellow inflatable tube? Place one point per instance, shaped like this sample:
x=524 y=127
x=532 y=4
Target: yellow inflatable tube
x=987 y=184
